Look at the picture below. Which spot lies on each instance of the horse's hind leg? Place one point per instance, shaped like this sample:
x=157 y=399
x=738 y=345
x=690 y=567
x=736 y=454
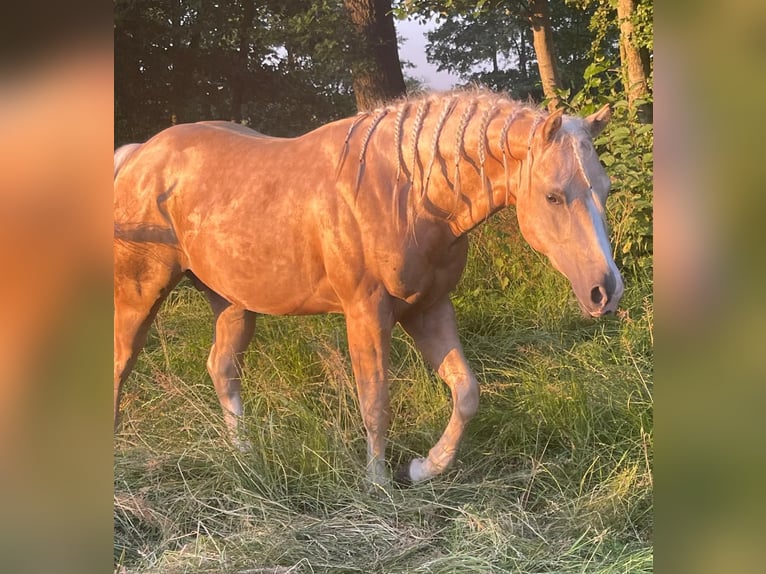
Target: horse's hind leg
x=141 y=283
x=234 y=329
x=435 y=335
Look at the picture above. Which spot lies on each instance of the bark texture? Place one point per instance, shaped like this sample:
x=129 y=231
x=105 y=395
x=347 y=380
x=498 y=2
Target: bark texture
x=377 y=72
x=545 y=50
x=634 y=76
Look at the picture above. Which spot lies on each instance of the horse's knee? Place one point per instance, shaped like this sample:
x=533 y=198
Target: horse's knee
x=220 y=366
x=467 y=402
x=223 y=371
x=212 y=364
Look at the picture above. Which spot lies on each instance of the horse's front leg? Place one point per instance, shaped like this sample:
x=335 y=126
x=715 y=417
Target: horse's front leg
x=369 y=324
x=434 y=332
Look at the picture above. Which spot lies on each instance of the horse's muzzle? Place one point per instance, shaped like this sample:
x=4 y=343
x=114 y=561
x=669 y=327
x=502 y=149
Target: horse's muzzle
x=605 y=296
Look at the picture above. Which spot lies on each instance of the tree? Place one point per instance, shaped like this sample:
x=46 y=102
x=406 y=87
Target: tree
x=278 y=66
x=623 y=38
x=536 y=13
x=494 y=47
x=545 y=51
x=489 y=47
x=634 y=76
x=377 y=72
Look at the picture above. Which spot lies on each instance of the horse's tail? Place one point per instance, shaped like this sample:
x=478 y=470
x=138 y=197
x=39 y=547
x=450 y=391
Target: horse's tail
x=121 y=155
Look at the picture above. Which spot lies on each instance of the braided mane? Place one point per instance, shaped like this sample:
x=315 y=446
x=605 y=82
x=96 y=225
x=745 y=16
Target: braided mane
x=415 y=132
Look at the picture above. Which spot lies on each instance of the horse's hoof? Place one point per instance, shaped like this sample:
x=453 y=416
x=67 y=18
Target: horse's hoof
x=402 y=476
x=244 y=446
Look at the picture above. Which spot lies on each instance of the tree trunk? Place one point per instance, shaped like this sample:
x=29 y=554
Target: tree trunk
x=633 y=73
x=545 y=51
x=377 y=72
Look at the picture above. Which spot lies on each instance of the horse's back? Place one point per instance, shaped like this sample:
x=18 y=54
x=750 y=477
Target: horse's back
x=273 y=224
x=235 y=128
x=237 y=206
x=182 y=136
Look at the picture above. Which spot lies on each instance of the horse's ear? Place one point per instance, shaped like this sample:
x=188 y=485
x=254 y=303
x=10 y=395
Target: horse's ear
x=552 y=125
x=597 y=122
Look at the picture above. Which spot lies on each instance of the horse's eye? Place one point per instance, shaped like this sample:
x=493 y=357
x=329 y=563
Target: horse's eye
x=554 y=199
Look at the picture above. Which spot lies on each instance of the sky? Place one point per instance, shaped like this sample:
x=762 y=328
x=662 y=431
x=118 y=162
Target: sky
x=413 y=50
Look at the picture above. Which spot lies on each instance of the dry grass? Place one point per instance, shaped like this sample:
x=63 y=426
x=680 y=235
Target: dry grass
x=554 y=474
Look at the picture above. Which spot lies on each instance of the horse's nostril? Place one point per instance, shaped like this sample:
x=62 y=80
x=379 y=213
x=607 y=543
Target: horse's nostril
x=598 y=295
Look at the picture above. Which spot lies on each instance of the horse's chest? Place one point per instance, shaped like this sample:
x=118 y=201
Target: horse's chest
x=419 y=274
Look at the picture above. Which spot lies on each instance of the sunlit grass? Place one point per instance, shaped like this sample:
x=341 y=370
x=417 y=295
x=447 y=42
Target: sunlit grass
x=554 y=474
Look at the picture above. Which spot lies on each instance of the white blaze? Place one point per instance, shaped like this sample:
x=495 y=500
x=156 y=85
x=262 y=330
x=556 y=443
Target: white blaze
x=595 y=210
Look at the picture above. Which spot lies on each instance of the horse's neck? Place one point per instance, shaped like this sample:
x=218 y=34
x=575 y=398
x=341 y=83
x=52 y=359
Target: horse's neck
x=464 y=201
x=477 y=178
x=455 y=160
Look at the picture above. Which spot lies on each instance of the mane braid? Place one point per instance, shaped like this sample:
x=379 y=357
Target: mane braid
x=373 y=124
x=532 y=130
x=580 y=164
x=449 y=106
x=485 y=118
x=416 y=127
x=464 y=120
x=398 y=137
x=344 y=153
x=506 y=149
x=400 y=162
x=535 y=123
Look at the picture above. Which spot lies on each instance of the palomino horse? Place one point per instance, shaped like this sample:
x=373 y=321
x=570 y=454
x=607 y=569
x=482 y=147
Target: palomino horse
x=366 y=216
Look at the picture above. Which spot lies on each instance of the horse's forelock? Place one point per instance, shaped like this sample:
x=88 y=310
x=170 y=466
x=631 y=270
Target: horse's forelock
x=582 y=147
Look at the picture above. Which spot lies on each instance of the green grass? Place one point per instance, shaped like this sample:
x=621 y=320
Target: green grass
x=554 y=474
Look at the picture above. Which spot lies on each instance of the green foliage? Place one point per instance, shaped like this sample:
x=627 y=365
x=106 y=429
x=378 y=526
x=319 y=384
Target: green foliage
x=424 y=8
x=481 y=47
x=490 y=43
x=626 y=146
x=628 y=156
x=603 y=26
x=643 y=21
x=281 y=67
x=604 y=29
x=555 y=472
x=626 y=151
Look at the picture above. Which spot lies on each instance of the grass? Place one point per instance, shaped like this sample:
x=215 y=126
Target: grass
x=554 y=474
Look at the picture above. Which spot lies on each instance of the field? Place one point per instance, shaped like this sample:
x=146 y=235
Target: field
x=554 y=475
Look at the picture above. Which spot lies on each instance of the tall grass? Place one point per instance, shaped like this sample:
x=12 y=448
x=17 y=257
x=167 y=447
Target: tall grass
x=554 y=474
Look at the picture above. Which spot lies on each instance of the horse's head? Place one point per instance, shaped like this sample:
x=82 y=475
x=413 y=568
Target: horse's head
x=560 y=207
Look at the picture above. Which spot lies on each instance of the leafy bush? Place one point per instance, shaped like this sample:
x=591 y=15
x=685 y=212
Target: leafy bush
x=626 y=150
